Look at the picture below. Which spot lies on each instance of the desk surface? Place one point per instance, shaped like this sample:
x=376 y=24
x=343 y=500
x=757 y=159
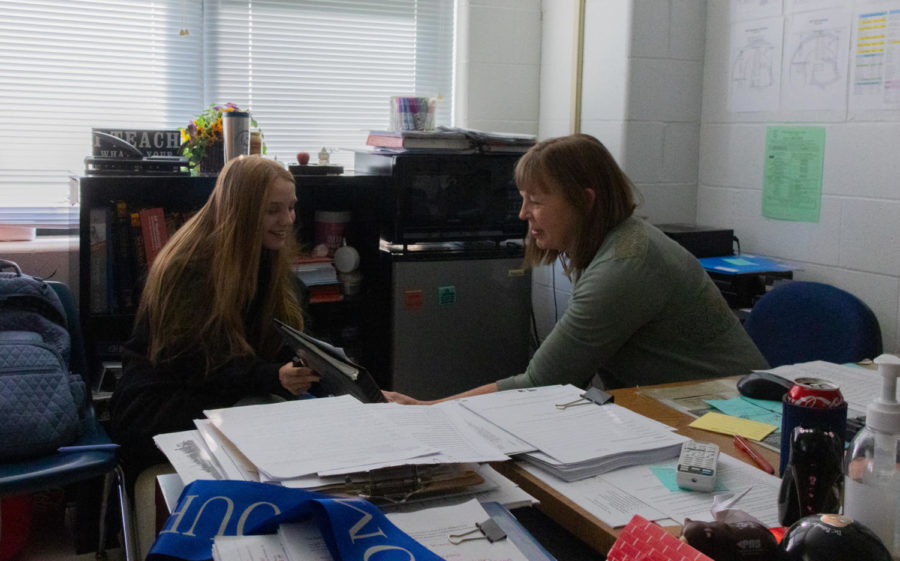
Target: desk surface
x=585 y=526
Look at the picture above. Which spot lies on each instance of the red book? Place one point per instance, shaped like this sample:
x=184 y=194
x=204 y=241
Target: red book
x=153 y=228
x=437 y=140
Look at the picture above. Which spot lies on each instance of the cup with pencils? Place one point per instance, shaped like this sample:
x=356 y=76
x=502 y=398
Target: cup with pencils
x=412 y=113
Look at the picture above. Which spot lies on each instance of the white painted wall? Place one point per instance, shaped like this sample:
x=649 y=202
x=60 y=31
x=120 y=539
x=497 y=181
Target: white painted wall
x=641 y=96
x=855 y=243
x=498 y=63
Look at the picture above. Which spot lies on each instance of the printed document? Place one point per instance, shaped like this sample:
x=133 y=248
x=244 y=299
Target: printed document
x=431 y=527
x=294 y=438
x=859 y=386
x=571 y=434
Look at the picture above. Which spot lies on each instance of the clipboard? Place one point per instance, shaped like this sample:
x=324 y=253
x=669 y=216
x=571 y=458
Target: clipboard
x=339 y=376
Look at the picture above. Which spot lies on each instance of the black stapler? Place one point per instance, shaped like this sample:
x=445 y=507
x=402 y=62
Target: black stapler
x=764 y=385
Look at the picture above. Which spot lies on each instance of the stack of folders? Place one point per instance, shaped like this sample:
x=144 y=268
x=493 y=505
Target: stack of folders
x=320 y=278
x=575 y=438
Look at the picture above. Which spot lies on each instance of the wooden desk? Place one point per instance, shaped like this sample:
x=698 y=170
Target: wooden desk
x=587 y=527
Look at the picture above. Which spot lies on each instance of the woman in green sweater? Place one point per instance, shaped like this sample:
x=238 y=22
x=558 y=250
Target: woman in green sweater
x=643 y=310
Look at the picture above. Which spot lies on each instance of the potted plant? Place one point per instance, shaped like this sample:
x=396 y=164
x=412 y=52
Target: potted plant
x=202 y=141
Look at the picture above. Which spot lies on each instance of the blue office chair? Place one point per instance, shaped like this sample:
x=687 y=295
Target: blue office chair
x=62 y=469
x=800 y=321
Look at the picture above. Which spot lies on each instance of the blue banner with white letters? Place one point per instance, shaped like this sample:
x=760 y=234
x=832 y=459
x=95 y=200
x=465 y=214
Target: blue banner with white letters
x=354 y=529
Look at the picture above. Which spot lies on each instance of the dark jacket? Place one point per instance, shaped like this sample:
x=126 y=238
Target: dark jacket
x=151 y=400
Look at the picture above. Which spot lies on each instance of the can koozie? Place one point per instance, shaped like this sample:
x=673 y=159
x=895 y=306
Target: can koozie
x=793 y=415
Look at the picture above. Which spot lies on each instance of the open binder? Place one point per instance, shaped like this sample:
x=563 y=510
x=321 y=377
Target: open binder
x=339 y=376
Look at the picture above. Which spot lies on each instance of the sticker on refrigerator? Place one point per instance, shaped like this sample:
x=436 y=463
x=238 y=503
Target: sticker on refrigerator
x=446 y=295
x=413 y=299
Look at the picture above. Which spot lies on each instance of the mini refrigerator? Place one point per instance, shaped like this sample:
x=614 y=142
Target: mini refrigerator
x=459 y=316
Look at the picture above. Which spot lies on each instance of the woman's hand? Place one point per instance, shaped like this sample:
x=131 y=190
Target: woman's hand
x=396 y=397
x=296 y=379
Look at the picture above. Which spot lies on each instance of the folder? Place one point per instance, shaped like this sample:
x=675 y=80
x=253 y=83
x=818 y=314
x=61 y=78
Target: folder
x=338 y=375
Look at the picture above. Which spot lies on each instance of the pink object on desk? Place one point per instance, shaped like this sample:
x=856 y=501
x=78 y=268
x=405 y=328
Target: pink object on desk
x=644 y=540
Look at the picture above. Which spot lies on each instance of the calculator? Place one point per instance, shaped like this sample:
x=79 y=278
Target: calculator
x=697 y=469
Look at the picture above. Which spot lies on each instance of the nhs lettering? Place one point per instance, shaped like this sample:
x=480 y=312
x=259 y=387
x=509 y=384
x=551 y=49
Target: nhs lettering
x=172 y=525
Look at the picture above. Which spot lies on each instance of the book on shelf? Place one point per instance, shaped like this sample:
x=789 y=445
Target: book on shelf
x=99 y=218
x=155 y=234
x=125 y=264
x=432 y=140
x=320 y=293
x=496 y=142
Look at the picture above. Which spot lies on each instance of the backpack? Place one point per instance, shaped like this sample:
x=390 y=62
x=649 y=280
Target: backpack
x=40 y=400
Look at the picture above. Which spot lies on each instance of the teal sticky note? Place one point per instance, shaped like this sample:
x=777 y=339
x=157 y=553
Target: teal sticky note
x=666 y=475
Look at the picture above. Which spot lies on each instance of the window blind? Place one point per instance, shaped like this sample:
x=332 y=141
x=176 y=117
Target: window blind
x=69 y=65
x=320 y=73
x=314 y=73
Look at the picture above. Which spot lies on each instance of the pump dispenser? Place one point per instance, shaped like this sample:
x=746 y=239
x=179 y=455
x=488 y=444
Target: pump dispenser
x=872 y=464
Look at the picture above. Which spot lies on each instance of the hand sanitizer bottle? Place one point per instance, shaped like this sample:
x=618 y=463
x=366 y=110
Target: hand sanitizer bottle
x=871 y=463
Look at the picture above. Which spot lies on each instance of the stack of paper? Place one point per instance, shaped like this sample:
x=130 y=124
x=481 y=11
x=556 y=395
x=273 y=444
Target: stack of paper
x=576 y=439
x=341 y=446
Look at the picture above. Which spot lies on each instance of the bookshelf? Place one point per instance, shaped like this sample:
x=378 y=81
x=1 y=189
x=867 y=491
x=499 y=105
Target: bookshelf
x=109 y=294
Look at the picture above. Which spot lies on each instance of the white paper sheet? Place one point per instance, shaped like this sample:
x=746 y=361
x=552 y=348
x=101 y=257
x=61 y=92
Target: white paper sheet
x=295 y=438
x=252 y=548
x=222 y=451
x=431 y=527
x=571 y=434
x=755 y=65
x=734 y=475
x=436 y=428
x=815 y=66
x=188 y=454
x=603 y=500
x=859 y=386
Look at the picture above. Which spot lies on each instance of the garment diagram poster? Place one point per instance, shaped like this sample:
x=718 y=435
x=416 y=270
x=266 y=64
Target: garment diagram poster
x=755 y=69
x=875 y=66
x=792 y=173
x=815 y=69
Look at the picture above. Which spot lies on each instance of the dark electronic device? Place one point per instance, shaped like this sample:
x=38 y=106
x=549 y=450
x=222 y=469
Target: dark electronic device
x=444 y=197
x=133 y=160
x=813 y=481
x=764 y=385
x=830 y=537
x=702 y=241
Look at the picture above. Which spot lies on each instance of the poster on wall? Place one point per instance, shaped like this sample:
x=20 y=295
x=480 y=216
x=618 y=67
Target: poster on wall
x=754 y=9
x=792 y=173
x=875 y=63
x=815 y=65
x=755 y=65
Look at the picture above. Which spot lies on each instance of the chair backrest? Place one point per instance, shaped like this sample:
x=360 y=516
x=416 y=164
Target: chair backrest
x=78 y=359
x=802 y=321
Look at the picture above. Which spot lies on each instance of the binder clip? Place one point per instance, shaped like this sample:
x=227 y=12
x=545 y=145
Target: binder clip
x=489 y=529
x=593 y=395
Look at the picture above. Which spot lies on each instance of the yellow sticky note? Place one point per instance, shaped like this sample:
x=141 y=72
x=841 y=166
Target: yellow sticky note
x=726 y=424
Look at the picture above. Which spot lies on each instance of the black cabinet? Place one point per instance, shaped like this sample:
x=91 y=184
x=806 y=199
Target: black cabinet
x=110 y=273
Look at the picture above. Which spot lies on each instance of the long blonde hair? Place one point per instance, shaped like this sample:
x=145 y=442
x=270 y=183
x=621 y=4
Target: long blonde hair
x=569 y=165
x=201 y=286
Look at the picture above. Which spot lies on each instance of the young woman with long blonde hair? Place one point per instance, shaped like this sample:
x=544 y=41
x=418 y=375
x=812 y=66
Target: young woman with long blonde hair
x=203 y=335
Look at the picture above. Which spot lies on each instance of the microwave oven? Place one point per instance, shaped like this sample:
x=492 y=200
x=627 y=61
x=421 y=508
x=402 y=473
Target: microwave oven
x=434 y=197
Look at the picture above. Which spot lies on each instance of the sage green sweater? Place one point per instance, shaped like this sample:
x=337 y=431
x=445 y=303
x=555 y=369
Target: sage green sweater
x=643 y=312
